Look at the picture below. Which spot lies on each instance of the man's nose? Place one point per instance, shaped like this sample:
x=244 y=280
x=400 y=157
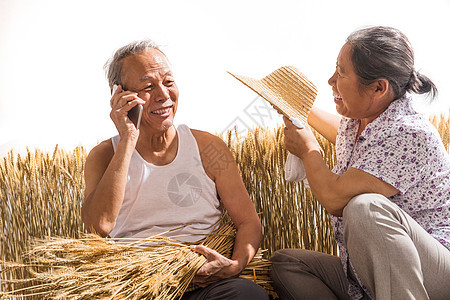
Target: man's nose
x=161 y=93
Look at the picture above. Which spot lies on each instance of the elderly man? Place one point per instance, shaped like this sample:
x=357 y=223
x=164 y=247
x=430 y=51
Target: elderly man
x=159 y=177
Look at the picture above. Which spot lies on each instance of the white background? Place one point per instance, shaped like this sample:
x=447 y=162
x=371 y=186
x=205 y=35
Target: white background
x=53 y=88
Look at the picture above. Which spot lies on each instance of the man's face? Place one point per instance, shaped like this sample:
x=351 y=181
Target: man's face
x=150 y=76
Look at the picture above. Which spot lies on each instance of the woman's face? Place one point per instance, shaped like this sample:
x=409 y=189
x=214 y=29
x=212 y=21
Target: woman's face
x=351 y=100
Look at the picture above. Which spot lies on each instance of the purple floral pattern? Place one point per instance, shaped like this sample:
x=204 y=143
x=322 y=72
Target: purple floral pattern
x=403 y=149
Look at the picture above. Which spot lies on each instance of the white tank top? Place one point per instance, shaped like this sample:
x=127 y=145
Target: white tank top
x=161 y=198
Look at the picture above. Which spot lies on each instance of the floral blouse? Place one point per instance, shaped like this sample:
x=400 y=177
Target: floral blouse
x=402 y=148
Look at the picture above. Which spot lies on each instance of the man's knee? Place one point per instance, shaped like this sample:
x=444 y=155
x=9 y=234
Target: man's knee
x=281 y=262
x=286 y=261
x=285 y=255
x=289 y=263
x=236 y=288
x=247 y=289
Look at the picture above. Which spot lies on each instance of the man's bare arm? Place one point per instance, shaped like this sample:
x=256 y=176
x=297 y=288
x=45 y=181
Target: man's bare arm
x=105 y=177
x=106 y=171
x=234 y=196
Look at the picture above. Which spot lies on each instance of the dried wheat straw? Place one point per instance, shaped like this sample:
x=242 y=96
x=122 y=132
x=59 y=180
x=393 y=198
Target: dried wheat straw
x=95 y=268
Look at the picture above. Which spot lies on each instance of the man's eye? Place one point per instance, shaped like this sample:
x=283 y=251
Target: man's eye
x=169 y=82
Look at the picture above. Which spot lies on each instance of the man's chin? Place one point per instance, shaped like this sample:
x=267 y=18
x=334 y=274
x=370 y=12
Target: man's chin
x=159 y=126
x=166 y=125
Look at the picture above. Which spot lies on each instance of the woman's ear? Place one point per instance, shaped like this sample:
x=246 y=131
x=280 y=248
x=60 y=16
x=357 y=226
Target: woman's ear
x=381 y=89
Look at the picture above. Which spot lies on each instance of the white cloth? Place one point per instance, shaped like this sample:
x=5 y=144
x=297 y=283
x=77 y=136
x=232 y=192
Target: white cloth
x=161 y=198
x=293 y=168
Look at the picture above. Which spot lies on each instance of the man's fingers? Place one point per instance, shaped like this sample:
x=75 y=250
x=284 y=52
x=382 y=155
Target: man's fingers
x=210 y=254
x=202 y=250
x=120 y=100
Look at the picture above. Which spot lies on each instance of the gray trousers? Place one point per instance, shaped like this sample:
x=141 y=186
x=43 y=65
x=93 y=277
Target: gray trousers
x=229 y=288
x=394 y=257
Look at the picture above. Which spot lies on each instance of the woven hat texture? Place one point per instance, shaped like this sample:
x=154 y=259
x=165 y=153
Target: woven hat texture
x=287 y=89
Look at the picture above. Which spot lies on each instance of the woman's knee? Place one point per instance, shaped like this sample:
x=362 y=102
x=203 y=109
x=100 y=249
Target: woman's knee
x=366 y=213
x=358 y=214
x=361 y=206
x=356 y=205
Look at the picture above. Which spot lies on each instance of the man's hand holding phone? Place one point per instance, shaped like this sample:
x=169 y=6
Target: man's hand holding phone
x=126 y=111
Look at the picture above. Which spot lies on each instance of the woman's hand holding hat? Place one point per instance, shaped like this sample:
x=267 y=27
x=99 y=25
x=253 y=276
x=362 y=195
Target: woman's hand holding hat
x=299 y=141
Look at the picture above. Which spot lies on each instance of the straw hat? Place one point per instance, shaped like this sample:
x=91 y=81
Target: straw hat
x=287 y=89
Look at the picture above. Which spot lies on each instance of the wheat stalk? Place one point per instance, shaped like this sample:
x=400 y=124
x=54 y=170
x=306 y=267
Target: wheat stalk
x=157 y=267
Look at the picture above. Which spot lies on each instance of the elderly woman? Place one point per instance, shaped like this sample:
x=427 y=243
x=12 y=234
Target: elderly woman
x=389 y=193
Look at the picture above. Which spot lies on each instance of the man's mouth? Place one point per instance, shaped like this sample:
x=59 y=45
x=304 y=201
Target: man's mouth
x=162 y=111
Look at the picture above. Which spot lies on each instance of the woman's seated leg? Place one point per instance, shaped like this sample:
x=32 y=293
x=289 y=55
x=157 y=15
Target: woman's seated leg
x=392 y=254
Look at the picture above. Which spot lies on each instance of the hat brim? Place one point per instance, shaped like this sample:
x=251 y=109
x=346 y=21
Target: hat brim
x=288 y=90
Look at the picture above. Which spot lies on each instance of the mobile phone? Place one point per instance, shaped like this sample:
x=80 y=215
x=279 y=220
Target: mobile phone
x=134 y=114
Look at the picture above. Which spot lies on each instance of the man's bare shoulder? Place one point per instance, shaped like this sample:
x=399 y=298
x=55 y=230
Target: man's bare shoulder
x=205 y=139
x=103 y=152
x=217 y=159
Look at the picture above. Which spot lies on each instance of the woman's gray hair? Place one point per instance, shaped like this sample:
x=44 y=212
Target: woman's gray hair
x=113 y=66
x=385 y=52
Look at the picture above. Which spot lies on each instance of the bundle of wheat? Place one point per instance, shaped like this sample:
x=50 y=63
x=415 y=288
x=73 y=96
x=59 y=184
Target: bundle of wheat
x=96 y=268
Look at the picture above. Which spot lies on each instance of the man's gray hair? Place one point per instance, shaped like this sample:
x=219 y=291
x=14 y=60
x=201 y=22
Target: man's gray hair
x=113 y=66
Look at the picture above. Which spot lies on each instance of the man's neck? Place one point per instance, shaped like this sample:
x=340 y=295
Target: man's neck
x=158 y=147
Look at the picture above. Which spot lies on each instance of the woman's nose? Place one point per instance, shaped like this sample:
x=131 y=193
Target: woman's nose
x=332 y=79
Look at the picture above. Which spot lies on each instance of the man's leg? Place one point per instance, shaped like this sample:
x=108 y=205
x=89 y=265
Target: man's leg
x=229 y=288
x=303 y=274
x=392 y=254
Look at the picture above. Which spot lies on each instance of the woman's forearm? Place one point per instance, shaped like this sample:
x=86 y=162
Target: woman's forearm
x=325 y=123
